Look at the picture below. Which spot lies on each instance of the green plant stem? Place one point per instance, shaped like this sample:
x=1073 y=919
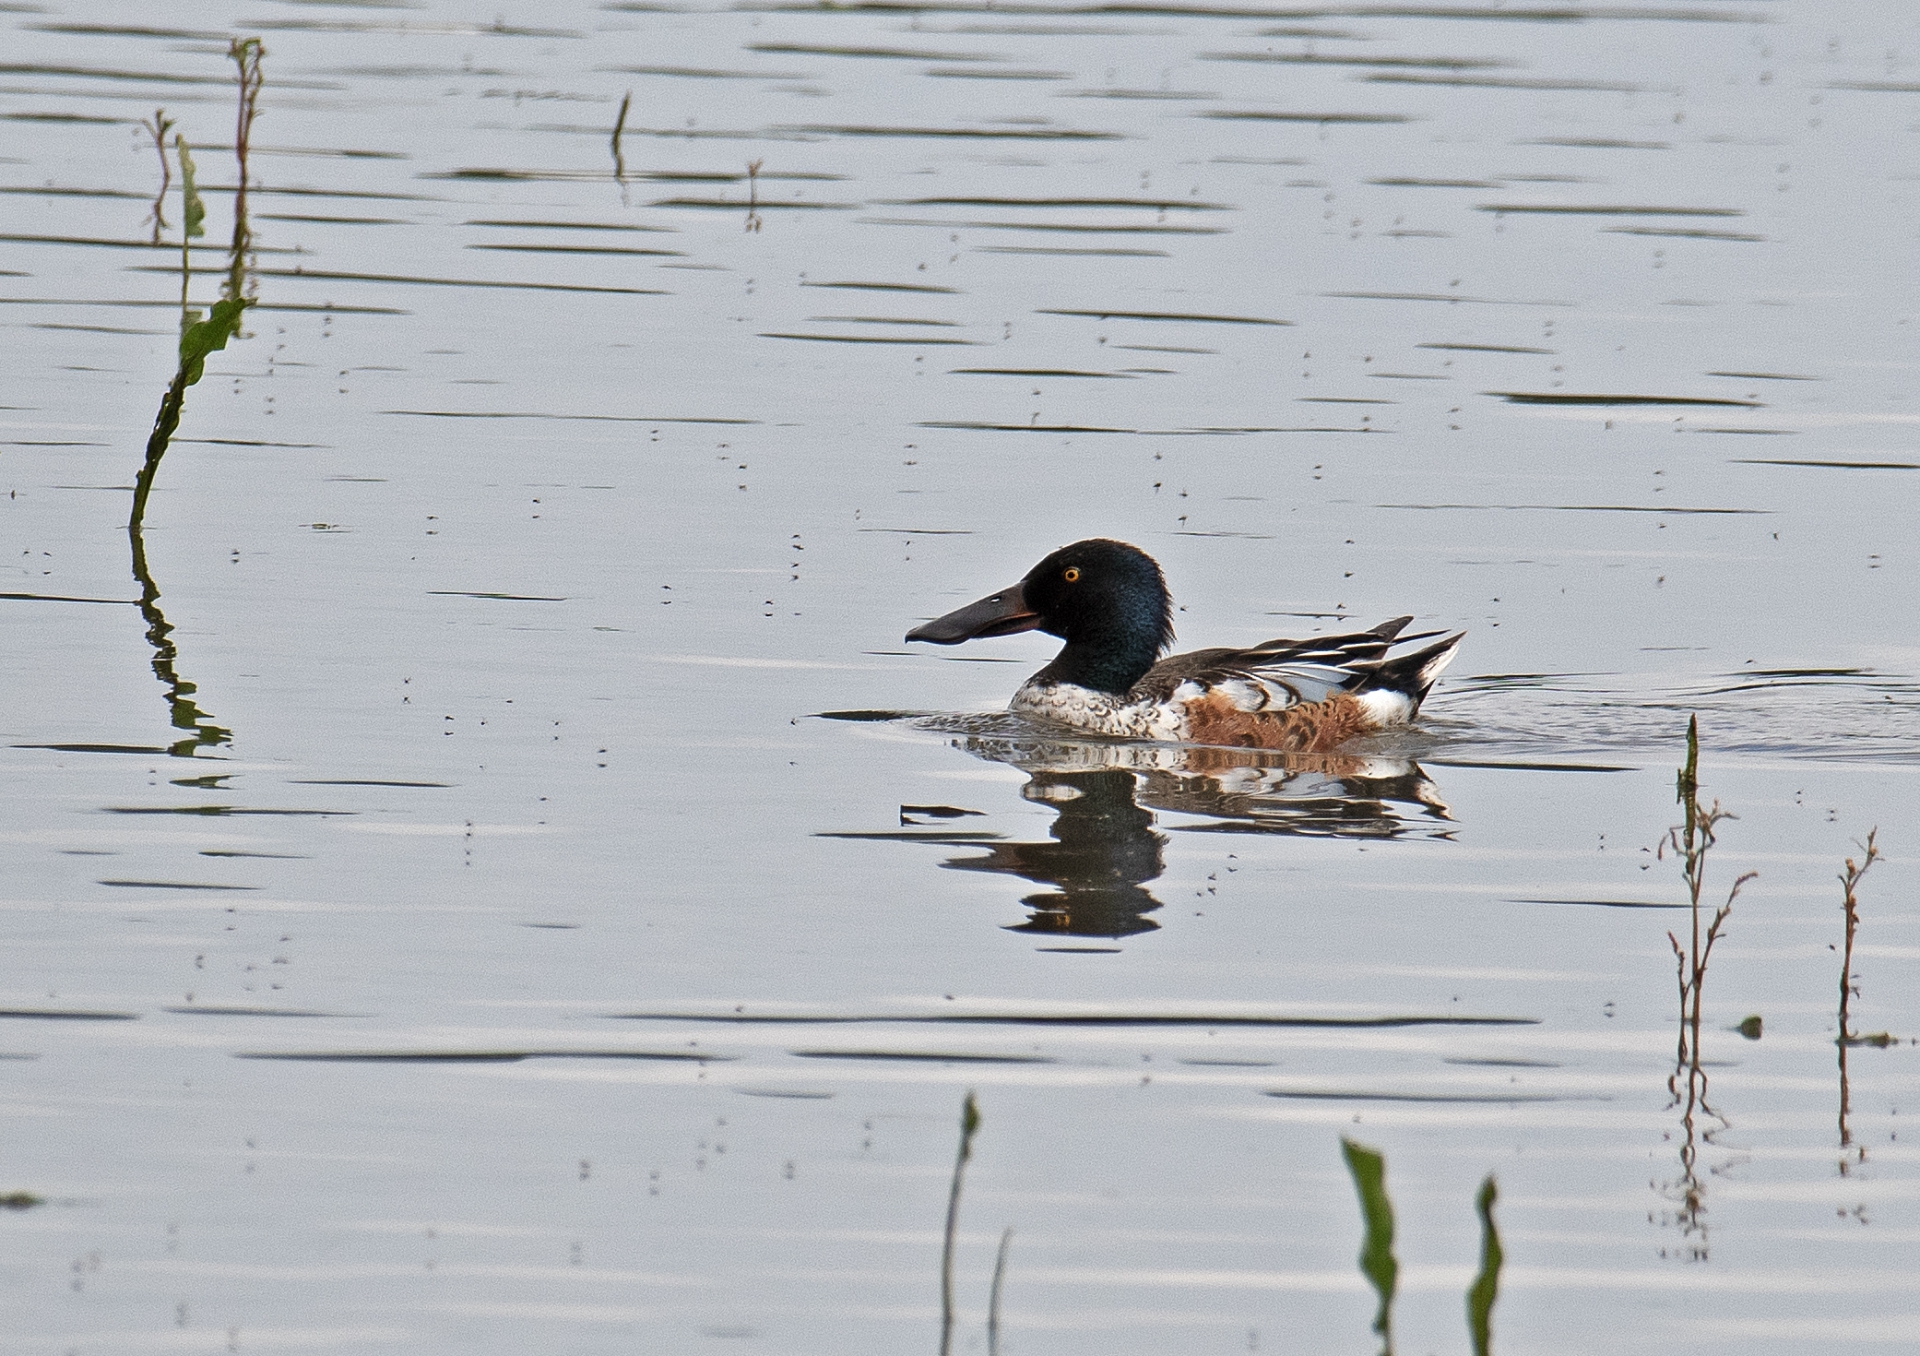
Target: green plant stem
x=993 y=1293
x=1368 y=1169
x=969 y=1126
x=247 y=54
x=1486 y=1286
x=158 y=129
x=1850 y=905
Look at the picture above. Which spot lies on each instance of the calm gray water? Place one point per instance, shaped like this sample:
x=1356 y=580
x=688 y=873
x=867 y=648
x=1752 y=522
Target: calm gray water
x=441 y=922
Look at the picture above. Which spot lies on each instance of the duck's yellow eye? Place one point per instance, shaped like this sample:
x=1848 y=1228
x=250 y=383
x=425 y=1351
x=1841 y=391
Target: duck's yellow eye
x=1072 y=576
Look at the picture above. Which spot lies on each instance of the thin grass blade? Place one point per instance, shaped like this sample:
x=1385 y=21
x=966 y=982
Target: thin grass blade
x=192 y=206
x=969 y=1126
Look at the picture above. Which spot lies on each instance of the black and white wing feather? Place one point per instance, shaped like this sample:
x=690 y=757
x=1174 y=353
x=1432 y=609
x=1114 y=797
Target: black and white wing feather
x=1281 y=673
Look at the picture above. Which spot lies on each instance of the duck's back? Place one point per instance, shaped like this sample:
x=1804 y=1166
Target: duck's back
x=1296 y=695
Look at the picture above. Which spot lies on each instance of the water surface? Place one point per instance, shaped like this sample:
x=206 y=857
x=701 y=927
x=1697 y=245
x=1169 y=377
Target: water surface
x=457 y=930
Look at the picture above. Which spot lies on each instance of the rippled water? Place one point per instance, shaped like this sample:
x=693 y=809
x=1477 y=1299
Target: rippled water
x=440 y=918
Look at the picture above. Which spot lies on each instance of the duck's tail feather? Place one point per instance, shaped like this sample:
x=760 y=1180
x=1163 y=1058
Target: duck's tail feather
x=1344 y=649
x=1412 y=674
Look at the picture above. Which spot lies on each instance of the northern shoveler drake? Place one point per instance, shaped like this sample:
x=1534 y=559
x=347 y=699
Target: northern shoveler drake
x=1109 y=602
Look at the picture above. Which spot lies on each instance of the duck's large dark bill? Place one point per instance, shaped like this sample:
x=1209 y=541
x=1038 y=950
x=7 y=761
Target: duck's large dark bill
x=1001 y=614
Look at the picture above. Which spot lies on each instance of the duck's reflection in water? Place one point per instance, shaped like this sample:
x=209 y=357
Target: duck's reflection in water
x=1105 y=847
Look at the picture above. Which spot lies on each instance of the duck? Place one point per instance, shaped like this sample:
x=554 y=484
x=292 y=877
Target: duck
x=1108 y=601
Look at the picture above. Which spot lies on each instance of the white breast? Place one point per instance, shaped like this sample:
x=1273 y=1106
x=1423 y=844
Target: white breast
x=1100 y=712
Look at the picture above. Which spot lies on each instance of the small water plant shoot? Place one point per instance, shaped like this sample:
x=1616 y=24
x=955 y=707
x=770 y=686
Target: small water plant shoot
x=619 y=158
x=1850 y=878
x=969 y=1127
x=158 y=128
x=1691 y=841
x=1368 y=1168
x=200 y=337
x=1486 y=1285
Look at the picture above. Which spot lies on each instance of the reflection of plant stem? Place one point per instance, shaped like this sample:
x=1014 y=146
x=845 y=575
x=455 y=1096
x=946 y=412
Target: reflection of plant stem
x=969 y=1126
x=158 y=129
x=1849 y=882
x=186 y=713
x=1692 y=841
x=753 y=195
x=1846 y=1108
x=1688 y=1192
